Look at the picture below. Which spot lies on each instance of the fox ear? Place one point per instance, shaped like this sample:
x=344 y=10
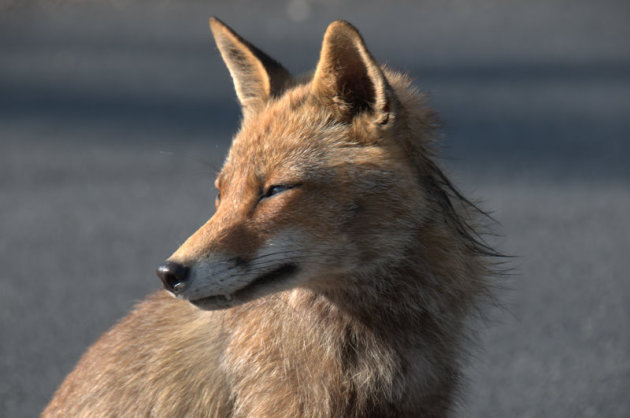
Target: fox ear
x=256 y=76
x=348 y=78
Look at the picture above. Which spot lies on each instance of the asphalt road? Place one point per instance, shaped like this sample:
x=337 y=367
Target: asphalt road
x=115 y=115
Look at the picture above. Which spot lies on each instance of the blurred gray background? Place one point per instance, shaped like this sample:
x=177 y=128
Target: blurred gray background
x=114 y=116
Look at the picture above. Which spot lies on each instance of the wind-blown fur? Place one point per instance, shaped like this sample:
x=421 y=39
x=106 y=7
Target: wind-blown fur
x=390 y=263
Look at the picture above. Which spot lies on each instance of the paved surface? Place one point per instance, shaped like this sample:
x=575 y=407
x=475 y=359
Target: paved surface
x=115 y=115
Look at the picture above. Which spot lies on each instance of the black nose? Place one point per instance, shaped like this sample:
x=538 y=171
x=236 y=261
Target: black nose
x=173 y=275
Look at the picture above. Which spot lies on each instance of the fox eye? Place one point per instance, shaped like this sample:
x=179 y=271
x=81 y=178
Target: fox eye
x=277 y=189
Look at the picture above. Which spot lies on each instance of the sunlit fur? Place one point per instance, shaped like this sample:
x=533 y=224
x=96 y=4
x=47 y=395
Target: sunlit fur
x=391 y=266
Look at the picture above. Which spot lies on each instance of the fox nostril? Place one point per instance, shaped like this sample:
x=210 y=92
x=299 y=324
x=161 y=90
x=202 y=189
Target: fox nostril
x=173 y=275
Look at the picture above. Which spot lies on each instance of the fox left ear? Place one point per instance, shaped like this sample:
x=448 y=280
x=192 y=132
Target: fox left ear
x=257 y=77
x=348 y=78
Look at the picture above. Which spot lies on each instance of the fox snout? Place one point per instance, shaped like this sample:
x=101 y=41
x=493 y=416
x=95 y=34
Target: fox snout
x=211 y=274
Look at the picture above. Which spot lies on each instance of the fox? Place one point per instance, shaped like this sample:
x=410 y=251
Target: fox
x=337 y=276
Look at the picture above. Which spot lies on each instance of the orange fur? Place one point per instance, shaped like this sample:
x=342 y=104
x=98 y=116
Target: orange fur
x=334 y=279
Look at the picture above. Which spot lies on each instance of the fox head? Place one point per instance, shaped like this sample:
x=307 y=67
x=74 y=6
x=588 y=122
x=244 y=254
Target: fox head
x=323 y=183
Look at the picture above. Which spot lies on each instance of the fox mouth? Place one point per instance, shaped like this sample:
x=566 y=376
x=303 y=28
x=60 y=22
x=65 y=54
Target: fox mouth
x=253 y=289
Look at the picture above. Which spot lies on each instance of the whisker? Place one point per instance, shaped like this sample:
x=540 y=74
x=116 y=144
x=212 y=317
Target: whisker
x=276 y=253
x=272 y=262
x=230 y=277
x=260 y=269
x=256 y=260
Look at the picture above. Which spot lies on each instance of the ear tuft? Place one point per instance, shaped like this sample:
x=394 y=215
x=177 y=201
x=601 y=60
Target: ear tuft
x=348 y=77
x=256 y=76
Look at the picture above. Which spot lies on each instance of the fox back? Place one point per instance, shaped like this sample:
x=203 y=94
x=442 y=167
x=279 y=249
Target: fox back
x=336 y=276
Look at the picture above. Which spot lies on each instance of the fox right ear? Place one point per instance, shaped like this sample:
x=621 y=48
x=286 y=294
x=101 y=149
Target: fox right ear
x=256 y=76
